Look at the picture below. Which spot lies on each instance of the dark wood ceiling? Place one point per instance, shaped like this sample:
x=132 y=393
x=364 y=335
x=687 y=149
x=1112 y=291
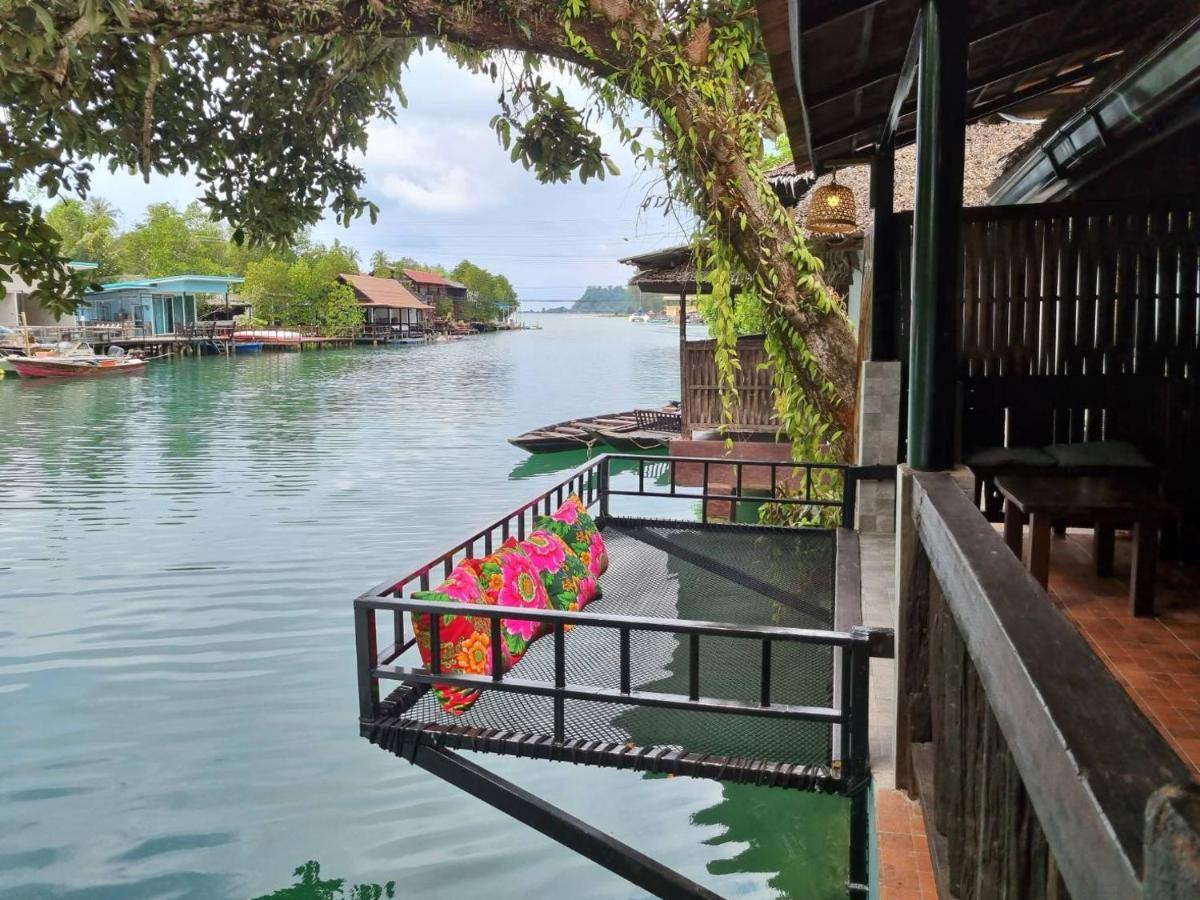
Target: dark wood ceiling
x=1027 y=57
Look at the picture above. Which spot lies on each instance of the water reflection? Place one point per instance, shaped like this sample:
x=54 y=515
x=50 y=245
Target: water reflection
x=799 y=840
x=566 y=461
x=311 y=886
x=178 y=553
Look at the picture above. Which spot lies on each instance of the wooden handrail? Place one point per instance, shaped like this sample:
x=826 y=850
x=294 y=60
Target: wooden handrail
x=1087 y=757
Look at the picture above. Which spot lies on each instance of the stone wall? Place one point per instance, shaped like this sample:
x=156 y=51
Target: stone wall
x=878 y=443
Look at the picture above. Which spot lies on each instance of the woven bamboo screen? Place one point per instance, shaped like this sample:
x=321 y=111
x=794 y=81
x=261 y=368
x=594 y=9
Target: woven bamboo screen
x=754 y=410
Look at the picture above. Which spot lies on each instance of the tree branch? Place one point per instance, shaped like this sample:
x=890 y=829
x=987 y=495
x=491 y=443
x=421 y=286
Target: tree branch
x=155 y=73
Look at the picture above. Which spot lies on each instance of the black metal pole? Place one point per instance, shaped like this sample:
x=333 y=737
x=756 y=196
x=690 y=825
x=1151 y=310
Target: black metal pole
x=937 y=225
x=647 y=873
x=883 y=255
x=683 y=386
x=857 y=769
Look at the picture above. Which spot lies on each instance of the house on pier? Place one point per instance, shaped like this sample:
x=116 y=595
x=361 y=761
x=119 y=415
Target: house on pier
x=1032 y=360
x=390 y=311
x=431 y=288
x=154 y=306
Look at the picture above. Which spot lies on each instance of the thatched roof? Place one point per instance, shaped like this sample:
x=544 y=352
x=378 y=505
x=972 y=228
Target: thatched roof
x=989 y=147
x=671 y=270
x=837 y=66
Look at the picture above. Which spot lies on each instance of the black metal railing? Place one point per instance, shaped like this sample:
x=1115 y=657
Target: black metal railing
x=593 y=484
x=817 y=486
x=849 y=715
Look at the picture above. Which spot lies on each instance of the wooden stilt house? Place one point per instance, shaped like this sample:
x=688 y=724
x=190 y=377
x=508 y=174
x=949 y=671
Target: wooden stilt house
x=1013 y=352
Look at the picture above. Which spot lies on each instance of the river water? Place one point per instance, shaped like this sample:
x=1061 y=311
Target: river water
x=178 y=553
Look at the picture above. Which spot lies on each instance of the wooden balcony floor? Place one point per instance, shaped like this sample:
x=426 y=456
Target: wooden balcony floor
x=1156 y=660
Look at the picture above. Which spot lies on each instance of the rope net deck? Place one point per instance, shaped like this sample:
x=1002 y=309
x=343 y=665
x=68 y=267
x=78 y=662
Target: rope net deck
x=684 y=571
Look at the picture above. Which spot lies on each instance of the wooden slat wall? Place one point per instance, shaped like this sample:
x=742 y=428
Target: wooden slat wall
x=1074 y=289
x=754 y=410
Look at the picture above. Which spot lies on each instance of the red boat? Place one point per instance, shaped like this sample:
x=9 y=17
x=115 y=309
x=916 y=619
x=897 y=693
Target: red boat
x=74 y=366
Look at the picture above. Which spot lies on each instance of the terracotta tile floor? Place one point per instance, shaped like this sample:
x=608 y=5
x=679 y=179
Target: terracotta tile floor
x=905 y=867
x=1157 y=660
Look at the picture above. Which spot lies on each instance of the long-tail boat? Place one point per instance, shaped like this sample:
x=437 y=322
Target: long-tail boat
x=578 y=434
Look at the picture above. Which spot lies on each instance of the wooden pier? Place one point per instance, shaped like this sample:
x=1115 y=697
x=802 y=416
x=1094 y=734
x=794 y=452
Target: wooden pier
x=193 y=339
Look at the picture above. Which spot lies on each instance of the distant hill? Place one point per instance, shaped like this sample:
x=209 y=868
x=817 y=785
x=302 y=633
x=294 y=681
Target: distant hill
x=617 y=298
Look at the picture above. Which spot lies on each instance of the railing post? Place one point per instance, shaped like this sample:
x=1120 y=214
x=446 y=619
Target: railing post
x=367 y=652
x=603 y=463
x=1172 y=843
x=857 y=768
x=849 y=495
x=858 y=657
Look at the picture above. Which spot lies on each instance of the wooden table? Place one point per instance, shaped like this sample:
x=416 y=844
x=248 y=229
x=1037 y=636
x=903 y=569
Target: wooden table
x=1099 y=503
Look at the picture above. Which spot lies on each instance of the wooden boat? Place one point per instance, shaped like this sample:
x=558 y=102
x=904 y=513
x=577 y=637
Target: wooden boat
x=75 y=366
x=651 y=429
x=574 y=434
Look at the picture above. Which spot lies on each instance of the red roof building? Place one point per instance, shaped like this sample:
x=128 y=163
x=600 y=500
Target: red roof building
x=432 y=287
x=389 y=305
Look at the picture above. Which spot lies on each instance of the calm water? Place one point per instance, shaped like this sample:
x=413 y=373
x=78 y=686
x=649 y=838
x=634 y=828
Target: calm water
x=178 y=551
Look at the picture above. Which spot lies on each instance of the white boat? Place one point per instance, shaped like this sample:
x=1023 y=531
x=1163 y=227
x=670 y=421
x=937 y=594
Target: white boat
x=268 y=336
x=639 y=318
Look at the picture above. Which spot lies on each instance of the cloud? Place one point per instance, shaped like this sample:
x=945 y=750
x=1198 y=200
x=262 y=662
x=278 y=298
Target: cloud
x=437 y=166
x=447 y=192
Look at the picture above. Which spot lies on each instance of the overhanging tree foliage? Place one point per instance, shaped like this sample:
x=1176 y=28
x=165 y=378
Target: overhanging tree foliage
x=264 y=100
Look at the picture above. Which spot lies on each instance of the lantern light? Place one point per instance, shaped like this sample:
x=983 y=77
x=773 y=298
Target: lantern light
x=832 y=210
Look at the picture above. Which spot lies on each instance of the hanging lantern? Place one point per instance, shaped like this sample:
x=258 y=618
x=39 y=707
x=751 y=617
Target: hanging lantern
x=832 y=210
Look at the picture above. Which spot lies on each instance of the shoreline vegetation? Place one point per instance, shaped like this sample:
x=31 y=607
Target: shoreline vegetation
x=293 y=287
x=620 y=300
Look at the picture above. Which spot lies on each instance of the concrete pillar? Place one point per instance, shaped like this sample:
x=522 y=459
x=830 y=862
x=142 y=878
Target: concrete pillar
x=878 y=444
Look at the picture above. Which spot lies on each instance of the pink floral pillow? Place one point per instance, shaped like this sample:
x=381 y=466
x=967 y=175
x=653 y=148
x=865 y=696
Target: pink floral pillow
x=578 y=530
x=541 y=572
x=464 y=641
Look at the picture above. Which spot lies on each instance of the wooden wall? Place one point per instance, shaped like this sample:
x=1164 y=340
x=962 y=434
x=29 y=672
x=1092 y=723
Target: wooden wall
x=1074 y=288
x=701 y=388
x=1033 y=764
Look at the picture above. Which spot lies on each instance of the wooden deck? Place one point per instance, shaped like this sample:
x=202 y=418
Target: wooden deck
x=1156 y=660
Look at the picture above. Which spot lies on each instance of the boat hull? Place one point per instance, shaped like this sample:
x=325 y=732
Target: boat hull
x=248 y=347
x=631 y=441
x=578 y=434
x=47 y=368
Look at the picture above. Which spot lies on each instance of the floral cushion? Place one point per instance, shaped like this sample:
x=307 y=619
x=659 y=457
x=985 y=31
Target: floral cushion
x=465 y=640
x=572 y=523
x=509 y=578
x=539 y=573
x=568 y=582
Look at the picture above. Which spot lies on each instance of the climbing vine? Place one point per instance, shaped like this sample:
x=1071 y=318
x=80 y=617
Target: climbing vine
x=265 y=101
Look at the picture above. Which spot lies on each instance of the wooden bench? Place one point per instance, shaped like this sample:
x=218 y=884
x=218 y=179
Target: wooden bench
x=1031 y=412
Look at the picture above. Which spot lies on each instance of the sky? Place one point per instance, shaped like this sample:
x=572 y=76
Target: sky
x=447 y=191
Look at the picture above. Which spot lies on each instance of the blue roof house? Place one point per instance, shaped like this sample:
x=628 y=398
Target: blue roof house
x=154 y=305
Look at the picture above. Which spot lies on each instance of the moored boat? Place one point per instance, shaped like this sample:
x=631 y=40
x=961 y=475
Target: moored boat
x=575 y=434
x=651 y=428
x=75 y=366
x=247 y=346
